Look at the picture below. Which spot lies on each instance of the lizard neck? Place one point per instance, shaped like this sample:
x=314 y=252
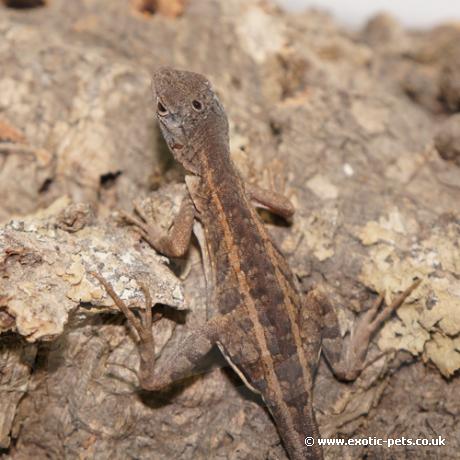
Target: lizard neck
x=218 y=173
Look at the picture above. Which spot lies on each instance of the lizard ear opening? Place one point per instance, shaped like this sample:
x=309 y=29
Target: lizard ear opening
x=197 y=105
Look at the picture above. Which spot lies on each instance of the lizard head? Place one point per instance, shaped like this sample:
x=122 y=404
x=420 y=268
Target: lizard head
x=189 y=113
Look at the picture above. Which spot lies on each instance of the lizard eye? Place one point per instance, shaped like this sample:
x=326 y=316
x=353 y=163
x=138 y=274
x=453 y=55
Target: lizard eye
x=197 y=105
x=162 y=110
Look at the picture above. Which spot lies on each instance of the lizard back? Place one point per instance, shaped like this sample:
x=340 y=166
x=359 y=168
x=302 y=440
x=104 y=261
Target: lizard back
x=266 y=346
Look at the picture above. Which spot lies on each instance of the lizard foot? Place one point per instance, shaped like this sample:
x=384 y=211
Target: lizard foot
x=145 y=225
x=142 y=323
x=368 y=324
x=176 y=241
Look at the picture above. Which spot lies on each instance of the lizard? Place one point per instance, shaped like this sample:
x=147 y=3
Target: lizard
x=270 y=332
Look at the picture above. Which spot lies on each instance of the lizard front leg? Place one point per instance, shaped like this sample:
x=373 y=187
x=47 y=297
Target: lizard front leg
x=176 y=242
x=348 y=362
x=173 y=366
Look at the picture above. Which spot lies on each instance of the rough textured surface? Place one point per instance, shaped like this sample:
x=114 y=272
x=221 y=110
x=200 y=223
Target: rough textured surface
x=46 y=271
x=447 y=140
x=365 y=129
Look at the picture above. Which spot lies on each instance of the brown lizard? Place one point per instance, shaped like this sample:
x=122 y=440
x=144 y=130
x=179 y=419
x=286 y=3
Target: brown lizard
x=269 y=332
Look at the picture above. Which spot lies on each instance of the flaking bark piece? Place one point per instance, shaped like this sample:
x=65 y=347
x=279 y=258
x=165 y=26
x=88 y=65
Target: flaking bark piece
x=15 y=367
x=45 y=272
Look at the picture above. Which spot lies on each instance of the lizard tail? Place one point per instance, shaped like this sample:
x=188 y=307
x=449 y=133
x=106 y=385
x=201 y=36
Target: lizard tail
x=298 y=430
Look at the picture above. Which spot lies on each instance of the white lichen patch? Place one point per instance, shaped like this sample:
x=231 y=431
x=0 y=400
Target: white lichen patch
x=405 y=167
x=322 y=187
x=428 y=323
x=318 y=232
x=388 y=228
x=260 y=33
x=444 y=352
x=372 y=119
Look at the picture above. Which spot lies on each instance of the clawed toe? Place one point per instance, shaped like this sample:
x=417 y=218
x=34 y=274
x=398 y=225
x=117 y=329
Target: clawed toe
x=144 y=227
x=376 y=319
x=131 y=219
x=142 y=323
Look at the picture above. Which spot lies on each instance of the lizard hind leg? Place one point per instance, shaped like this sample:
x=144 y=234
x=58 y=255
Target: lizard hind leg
x=142 y=325
x=348 y=362
x=176 y=363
